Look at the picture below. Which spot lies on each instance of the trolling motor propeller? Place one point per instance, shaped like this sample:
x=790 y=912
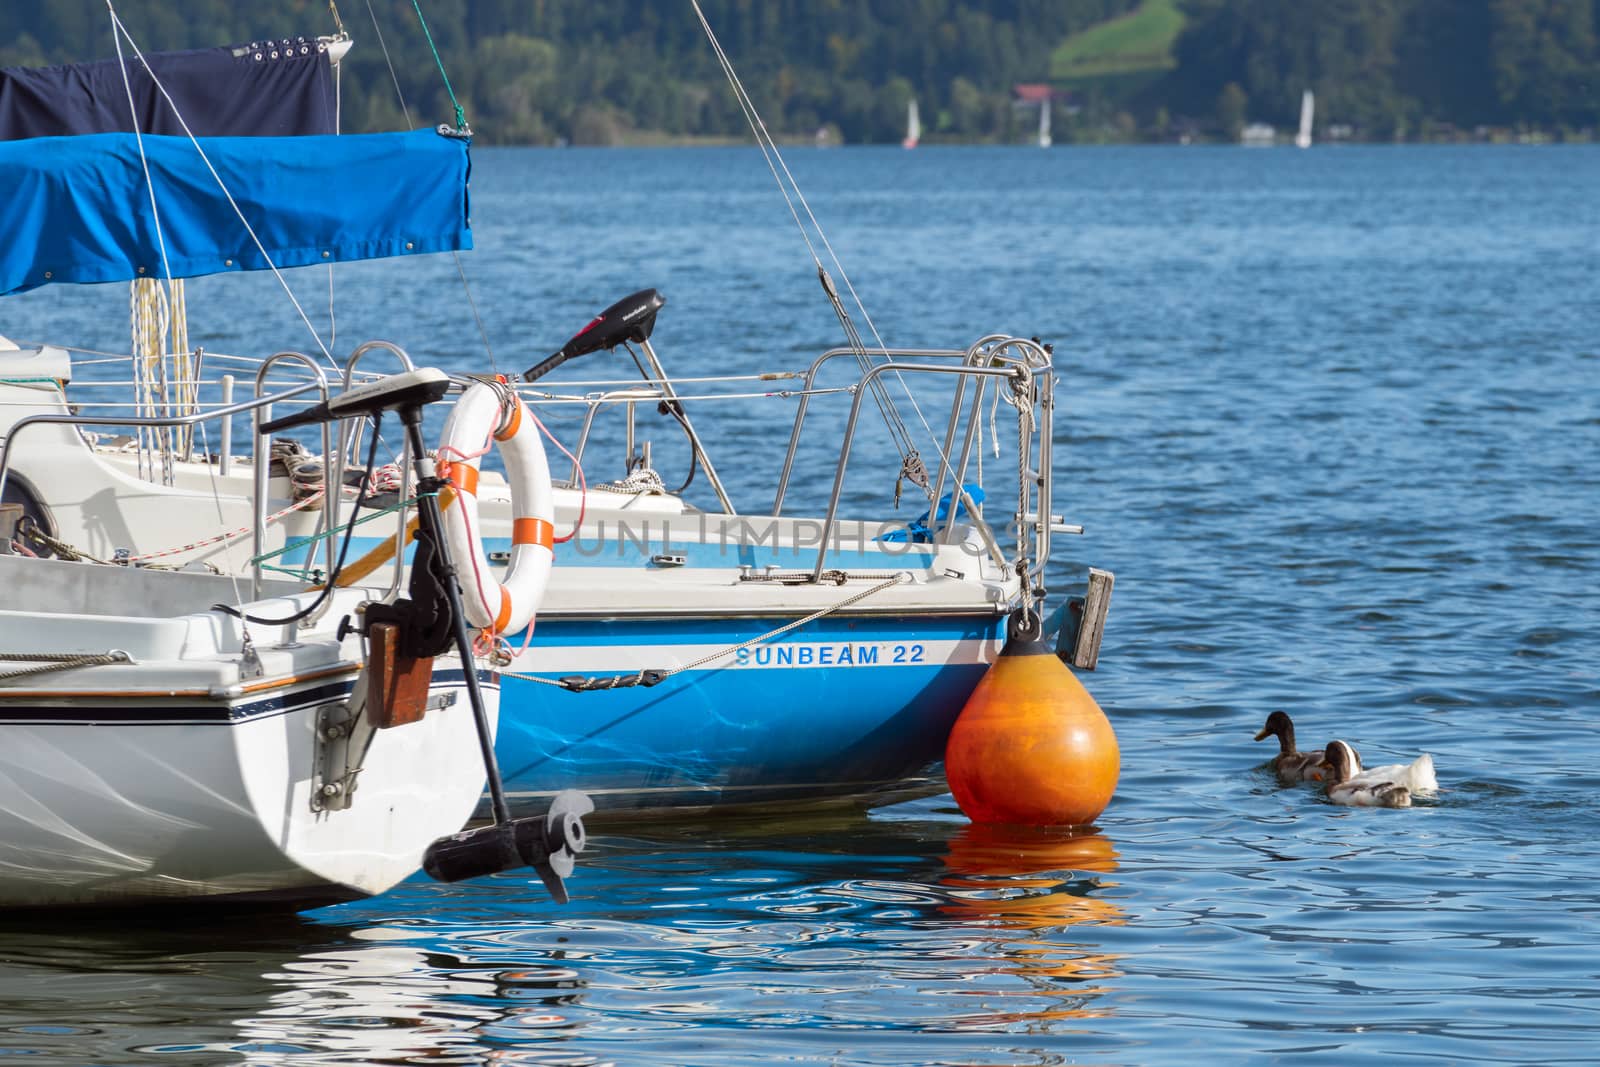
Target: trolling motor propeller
x=550 y=845
x=632 y=318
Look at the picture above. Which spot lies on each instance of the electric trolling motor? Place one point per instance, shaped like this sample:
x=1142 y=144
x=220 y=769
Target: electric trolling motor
x=549 y=844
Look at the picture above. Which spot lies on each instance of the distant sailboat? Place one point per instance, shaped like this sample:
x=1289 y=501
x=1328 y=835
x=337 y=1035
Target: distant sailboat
x=913 y=126
x=1307 y=108
x=1044 y=123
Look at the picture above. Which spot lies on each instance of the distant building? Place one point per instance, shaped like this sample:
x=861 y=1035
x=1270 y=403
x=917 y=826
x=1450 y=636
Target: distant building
x=1039 y=98
x=1258 y=135
x=1029 y=95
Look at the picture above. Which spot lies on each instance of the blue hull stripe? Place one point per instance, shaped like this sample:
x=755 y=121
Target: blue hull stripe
x=783 y=730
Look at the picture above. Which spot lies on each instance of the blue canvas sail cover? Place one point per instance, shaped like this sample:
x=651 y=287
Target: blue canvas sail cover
x=280 y=88
x=77 y=209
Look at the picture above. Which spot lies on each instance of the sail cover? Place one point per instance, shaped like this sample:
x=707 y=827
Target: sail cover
x=280 y=88
x=77 y=209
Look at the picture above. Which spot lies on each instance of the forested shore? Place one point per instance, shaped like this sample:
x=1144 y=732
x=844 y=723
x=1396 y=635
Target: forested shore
x=622 y=71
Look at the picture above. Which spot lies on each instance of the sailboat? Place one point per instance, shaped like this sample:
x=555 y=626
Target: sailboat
x=688 y=654
x=913 y=126
x=1044 y=123
x=172 y=735
x=1302 y=139
x=175 y=733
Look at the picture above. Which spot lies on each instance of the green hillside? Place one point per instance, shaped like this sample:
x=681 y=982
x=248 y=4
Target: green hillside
x=638 y=72
x=626 y=71
x=1121 y=53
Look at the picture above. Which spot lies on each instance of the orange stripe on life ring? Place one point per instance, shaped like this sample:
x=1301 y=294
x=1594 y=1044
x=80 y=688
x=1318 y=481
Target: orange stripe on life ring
x=533 y=532
x=504 y=617
x=513 y=424
x=464 y=477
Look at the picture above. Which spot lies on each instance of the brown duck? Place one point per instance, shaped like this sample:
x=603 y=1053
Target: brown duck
x=1291 y=765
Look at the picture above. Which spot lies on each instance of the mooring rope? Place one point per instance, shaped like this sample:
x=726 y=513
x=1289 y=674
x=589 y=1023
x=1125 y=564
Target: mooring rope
x=72 y=554
x=461 y=114
x=58 y=661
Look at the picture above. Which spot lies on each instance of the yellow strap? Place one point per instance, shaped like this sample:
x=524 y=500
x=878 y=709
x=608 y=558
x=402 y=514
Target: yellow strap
x=381 y=554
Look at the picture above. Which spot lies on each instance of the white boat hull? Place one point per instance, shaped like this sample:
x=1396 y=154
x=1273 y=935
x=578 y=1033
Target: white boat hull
x=95 y=809
x=182 y=774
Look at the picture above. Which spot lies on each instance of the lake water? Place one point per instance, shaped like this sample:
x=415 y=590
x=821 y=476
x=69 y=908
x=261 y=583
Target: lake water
x=1332 y=417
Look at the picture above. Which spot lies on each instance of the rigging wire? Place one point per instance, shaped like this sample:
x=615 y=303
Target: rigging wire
x=395 y=78
x=157 y=334
x=477 y=318
x=119 y=28
x=774 y=158
x=138 y=139
x=461 y=122
x=897 y=429
x=338 y=128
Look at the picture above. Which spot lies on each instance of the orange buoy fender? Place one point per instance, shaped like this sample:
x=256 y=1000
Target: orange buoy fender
x=1032 y=747
x=485 y=416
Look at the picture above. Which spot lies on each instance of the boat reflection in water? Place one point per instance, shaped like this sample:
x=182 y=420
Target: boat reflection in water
x=1043 y=882
x=397 y=997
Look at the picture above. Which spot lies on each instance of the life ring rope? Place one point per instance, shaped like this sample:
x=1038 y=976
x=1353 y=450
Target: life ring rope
x=583 y=482
x=488 y=416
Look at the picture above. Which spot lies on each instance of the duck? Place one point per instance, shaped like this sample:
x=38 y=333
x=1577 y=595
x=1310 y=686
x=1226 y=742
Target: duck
x=1289 y=764
x=1390 y=786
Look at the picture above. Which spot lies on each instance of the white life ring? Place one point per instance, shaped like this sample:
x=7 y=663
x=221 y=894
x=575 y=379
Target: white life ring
x=483 y=416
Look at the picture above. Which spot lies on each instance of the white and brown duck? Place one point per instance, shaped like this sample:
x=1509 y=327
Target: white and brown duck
x=1290 y=764
x=1390 y=786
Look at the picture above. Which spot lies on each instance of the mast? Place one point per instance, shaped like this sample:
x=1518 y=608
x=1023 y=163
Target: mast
x=1307 y=107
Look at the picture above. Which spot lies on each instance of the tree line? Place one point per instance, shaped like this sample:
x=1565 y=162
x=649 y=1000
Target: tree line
x=609 y=71
x=1393 y=69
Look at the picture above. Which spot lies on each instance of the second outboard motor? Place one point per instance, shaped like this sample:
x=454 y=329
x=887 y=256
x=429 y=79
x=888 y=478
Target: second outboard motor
x=630 y=319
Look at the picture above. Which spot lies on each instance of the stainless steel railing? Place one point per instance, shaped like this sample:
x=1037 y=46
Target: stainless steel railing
x=1027 y=364
x=257 y=406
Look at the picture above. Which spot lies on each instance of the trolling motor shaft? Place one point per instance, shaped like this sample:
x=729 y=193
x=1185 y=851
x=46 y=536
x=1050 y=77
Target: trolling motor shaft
x=548 y=844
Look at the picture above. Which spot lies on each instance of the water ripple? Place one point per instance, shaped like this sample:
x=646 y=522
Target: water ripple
x=1329 y=416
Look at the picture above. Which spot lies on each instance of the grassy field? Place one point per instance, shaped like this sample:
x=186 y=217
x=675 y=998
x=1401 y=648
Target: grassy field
x=1133 y=48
